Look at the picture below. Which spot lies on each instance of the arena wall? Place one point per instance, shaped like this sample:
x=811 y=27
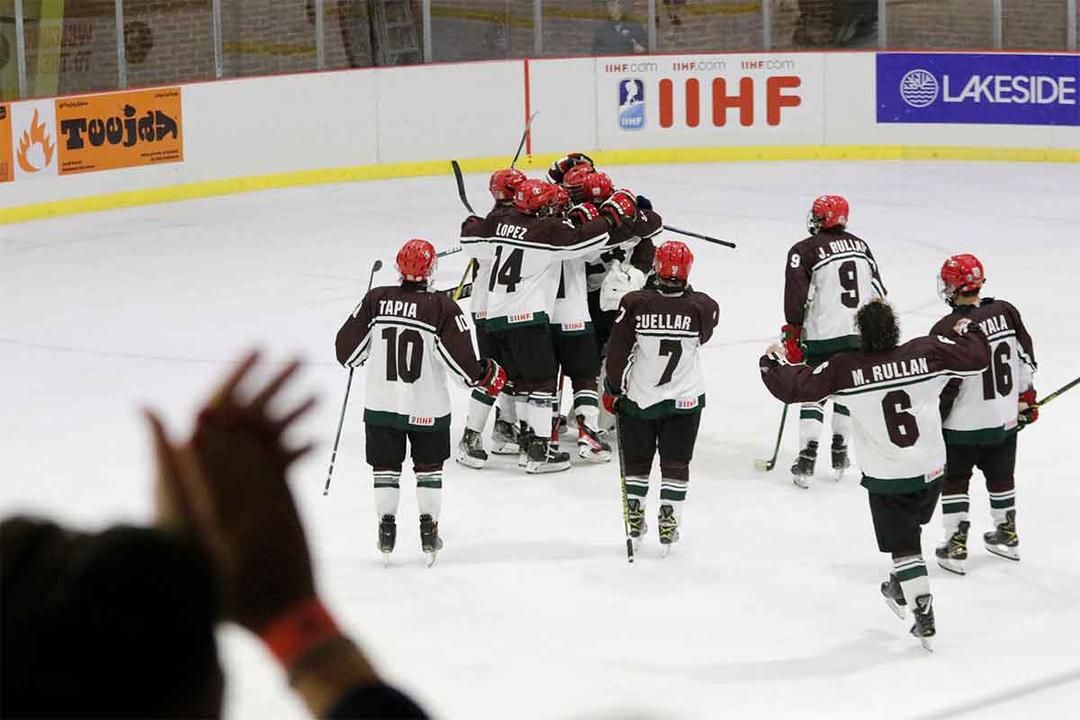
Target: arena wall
x=288 y=130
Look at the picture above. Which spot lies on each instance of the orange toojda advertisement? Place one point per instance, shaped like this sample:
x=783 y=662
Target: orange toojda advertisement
x=119 y=130
x=7 y=173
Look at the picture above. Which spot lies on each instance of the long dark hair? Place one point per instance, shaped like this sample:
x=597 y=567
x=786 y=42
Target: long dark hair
x=878 y=327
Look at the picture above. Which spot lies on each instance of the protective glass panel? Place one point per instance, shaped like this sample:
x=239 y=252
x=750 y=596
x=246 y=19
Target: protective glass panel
x=168 y=41
x=347 y=34
x=708 y=25
x=70 y=46
x=824 y=24
x=615 y=27
x=263 y=37
x=481 y=29
x=1033 y=24
x=9 y=65
x=947 y=24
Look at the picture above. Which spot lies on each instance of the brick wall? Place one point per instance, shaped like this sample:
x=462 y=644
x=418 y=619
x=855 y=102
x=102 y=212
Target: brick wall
x=171 y=41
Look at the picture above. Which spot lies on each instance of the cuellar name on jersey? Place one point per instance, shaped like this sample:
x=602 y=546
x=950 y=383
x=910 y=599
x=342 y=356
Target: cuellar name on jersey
x=842 y=246
x=892 y=371
x=397 y=308
x=663 y=321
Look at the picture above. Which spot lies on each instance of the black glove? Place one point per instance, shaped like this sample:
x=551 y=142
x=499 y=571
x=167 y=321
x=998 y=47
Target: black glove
x=644 y=203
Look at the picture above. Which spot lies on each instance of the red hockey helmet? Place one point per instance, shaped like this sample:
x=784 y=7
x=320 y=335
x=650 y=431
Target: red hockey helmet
x=416 y=260
x=575 y=178
x=597 y=188
x=562 y=199
x=961 y=273
x=504 y=183
x=828 y=211
x=673 y=261
x=535 y=197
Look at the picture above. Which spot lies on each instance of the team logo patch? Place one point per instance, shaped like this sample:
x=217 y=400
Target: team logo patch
x=919 y=88
x=421 y=421
x=686 y=403
x=520 y=318
x=573 y=327
x=631 y=104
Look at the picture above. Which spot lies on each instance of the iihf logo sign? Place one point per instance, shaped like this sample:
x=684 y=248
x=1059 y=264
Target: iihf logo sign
x=919 y=88
x=631 y=104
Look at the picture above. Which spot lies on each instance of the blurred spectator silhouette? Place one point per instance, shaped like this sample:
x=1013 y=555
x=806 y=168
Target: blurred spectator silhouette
x=121 y=623
x=619 y=36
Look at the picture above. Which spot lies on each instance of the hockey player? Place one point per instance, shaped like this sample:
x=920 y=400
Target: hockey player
x=656 y=385
x=829 y=276
x=409 y=337
x=982 y=415
x=526 y=247
x=892 y=392
x=502 y=184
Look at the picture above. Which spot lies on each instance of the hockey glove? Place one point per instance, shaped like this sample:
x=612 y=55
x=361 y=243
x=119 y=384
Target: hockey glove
x=622 y=278
x=644 y=203
x=559 y=168
x=793 y=349
x=1029 y=408
x=619 y=208
x=583 y=213
x=611 y=403
x=493 y=379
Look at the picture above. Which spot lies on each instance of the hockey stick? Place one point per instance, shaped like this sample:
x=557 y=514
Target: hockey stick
x=376 y=266
x=622 y=486
x=521 y=145
x=452 y=251
x=460 y=180
x=768 y=465
x=1058 y=392
x=725 y=243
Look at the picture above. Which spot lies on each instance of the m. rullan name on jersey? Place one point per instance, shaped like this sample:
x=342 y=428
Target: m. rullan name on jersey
x=662 y=321
x=843 y=245
x=910 y=367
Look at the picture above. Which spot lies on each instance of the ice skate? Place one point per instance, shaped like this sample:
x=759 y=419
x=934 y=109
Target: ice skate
x=1003 y=541
x=635 y=520
x=840 y=460
x=430 y=542
x=387 y=537
x=803 y=469
x=504 y=439
x=953 y=555
x=668 y=528
x=894 y=596
x=924 y=629
x=471 y=450
x=542 y=459
x=591 y=446
x=524 y=438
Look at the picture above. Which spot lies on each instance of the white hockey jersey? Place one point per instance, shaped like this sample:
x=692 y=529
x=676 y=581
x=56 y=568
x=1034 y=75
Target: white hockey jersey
x=408 y=338
x=983 y=410
x=653 y=356
x=893 y=398
x=525 y=253
x=828 y=277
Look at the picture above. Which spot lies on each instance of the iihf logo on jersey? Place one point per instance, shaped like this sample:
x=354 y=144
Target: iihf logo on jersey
x=631 y=104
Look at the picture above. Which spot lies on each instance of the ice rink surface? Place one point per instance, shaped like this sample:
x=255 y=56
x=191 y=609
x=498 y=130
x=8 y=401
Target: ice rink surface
x=768 y=607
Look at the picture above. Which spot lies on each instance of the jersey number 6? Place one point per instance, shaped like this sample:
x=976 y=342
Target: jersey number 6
x=901 y=424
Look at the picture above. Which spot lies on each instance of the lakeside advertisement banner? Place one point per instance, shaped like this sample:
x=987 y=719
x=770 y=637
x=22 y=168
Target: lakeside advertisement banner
x=984 y=89
x=119 y=130
x=7 y=172
x=685 y=100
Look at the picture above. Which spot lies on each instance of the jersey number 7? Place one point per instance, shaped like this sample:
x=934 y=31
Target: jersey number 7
x=673 y=350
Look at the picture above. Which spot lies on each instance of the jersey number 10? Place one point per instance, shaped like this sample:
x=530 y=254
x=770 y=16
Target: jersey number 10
x=404 y=355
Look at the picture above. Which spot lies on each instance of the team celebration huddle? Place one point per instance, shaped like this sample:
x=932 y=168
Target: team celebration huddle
x=572 y=296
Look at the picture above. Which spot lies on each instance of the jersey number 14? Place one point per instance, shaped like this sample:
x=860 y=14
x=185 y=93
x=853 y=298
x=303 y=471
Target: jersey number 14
x=506 y=273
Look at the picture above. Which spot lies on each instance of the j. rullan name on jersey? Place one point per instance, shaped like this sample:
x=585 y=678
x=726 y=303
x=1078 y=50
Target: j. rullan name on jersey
x=399 y=308
x=891 y=371
x=841 y=246
x=510 y=232
x=663 y=321
x=994 y=325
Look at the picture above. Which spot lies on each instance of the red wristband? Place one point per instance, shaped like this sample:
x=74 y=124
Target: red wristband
x=294 y=631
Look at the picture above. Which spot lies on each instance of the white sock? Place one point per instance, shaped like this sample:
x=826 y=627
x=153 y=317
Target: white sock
x=841 y=422
x=811 y=420
x=541 y=406
x=914 y=581
x=429 y=493
x=480 y=404
x=387 y=492
x=507 y=405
